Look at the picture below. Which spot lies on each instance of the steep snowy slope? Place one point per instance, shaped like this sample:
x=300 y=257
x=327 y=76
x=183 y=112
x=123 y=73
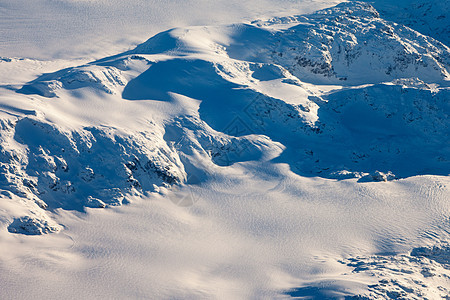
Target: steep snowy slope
x=428 y=17
x=249 y=79
x=337 y=97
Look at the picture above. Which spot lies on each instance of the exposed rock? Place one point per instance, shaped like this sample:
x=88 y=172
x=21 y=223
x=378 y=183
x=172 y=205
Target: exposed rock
x=33 y=226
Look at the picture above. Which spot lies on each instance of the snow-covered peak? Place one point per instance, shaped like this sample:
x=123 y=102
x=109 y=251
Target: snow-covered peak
x=352 y=9
x=301 y=140
x=332 y=46
x=350 y=44
x=340 y=93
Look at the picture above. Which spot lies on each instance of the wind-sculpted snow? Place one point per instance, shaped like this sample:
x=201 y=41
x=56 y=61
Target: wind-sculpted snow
x=377 y=128
x=303 y=156
x=190 y=135
x=240 y=93
x=223 y=101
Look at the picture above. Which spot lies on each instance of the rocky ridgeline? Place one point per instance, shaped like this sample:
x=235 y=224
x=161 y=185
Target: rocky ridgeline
x=350 y=44
x=98 y=167
x=369 y=132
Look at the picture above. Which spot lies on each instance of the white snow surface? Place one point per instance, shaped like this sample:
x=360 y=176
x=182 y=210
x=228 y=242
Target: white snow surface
x=303 y=154
x=49 y=29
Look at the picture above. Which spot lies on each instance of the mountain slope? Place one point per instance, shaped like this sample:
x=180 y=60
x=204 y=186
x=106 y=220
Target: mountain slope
x=253 y=82
x=428 y=17
x=320 y=131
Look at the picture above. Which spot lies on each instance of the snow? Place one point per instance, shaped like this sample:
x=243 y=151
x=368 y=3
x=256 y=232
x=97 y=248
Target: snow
x=246 y=236
x=427 y=17
x=284 y=157
x=49 y=29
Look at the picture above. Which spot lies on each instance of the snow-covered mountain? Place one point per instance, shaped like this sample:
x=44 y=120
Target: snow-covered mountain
x=427 y=17
x=255 y=83
x=339 y=94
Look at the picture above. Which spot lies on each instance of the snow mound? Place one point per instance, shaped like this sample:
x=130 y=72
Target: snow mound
x=189 y=135
x=106 y=79
x=33 y=226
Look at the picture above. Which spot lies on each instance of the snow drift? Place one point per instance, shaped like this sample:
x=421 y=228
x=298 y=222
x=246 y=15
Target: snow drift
x=340 y=97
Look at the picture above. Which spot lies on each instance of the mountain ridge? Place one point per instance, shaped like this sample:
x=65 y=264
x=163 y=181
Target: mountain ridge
x=259 y=85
